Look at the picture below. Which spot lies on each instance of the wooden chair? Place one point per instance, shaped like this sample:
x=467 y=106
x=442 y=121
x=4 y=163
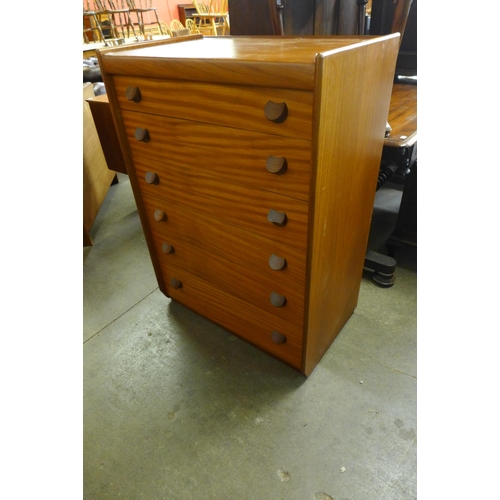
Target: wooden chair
x=165 y=28
x=92 y=25
x=118 y=16
x=191 y=26
x=176 y=25
x=178 y=29
x=140 y=8
x=212 y=15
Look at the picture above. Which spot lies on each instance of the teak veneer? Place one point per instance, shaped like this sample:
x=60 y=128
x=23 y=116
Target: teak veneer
x=254 y=165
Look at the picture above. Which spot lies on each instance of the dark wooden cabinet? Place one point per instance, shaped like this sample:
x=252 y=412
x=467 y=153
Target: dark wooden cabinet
x=300 y=17
x=186 y=11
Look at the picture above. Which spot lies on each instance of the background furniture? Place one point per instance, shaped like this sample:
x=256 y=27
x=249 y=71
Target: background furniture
x=399 y=154
x=108 y=138
x=300 y=17
x=186 y=11
x=96 y=176
x=386 y=18
x=92 y=26
x=143 y=9
x=118 y=16
x=212 y=16
x=400 y=148
x=235 y=196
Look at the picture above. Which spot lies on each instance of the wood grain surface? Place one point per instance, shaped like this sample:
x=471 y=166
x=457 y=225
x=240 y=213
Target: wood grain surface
x=238 y=316
x=235 y=204
x=228 y=105
x=248 y=249
x=232 y=154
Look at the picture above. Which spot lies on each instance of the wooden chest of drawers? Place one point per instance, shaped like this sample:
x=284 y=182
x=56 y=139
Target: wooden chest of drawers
x=254 y=164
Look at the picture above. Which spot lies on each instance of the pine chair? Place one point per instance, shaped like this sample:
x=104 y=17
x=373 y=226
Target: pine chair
x=141 y=7
x=176 y=25
x=178 y=29
x=191 y=26
x=212 y=15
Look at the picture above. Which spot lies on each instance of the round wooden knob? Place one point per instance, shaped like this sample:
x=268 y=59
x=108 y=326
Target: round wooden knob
x=159 y=215
x=277 y=263
x=278 y=218
x=175 y=283
x=152 y=178
x=278 y=338
x=276 y=164
x=166 y=248
x=276 y=112
x=141 y=134
x=133 y=93
x=277 y=300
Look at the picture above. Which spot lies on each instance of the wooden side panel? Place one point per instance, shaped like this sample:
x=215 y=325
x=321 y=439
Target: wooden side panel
x=96 y=176
x=106 y=130
x=354 y=91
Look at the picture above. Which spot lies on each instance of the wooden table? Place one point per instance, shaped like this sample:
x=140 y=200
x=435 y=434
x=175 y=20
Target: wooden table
x=399 y=156
x=401 y=148
x=403 y=116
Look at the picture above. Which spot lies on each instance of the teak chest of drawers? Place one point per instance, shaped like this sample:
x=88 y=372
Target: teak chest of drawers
x=254 y=164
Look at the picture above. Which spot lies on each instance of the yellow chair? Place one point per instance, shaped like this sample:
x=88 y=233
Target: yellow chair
x=176 y=25
x=178 y=29
x=191 y=26
x=212 y=15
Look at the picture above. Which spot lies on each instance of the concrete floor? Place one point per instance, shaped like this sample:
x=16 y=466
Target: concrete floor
x=178 y=408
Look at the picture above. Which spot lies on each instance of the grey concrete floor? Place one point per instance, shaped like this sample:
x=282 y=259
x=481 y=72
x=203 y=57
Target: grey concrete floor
x=178 y=408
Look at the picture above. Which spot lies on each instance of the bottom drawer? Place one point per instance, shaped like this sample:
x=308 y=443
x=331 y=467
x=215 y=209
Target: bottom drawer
x=239 y=317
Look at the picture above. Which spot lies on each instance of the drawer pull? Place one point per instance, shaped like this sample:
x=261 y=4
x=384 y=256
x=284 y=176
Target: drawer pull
x=277 y=263
x=152 y=178
x=141 y=134
x=276 y=112
x=278 y=300
x=278 y=338
x=160 y=215
x=133 y=94
x=278 y=218
x=166 y=248
x=276 y=164
x=176 y=283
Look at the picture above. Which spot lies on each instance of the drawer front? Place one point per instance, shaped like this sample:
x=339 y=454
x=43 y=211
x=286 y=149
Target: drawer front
x=236 y=315
x=235 y=204
x=250 y=250
x=266 y=290
x=271 y=162
x=231 y=106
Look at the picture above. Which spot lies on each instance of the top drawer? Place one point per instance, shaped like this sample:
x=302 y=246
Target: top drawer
x=274 y=111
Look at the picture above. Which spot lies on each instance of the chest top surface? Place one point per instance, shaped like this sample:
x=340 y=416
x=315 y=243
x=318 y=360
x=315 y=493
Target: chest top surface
x=238 y=60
